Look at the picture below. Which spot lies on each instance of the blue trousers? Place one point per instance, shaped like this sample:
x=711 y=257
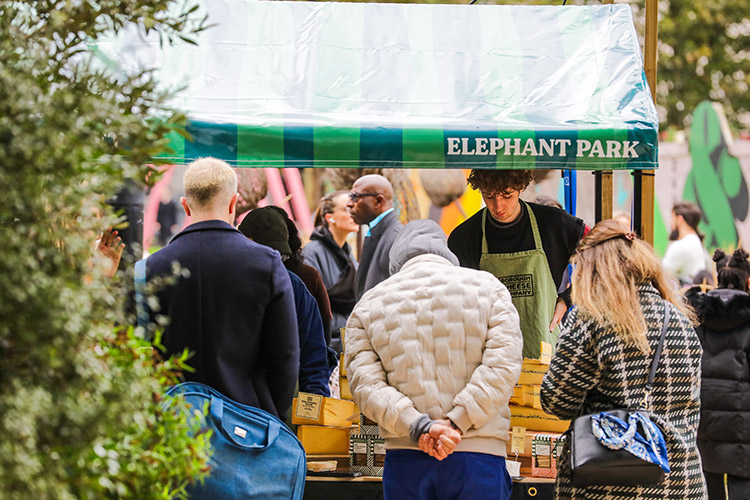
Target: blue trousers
x=414 y=475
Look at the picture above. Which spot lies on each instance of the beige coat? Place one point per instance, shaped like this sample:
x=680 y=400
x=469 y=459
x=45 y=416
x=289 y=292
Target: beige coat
x=438 y=339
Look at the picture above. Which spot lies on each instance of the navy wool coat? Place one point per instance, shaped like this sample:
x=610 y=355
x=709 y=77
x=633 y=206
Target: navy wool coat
x=233 y=309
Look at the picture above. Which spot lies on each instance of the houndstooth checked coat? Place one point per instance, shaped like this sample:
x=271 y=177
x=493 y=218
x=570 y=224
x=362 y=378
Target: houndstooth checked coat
x=593 y=370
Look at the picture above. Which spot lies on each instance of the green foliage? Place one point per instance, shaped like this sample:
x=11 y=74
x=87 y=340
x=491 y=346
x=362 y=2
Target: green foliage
x=80 y=411
x=704 y=53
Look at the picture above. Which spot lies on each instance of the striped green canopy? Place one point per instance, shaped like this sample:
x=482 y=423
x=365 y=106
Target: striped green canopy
x=323 y=84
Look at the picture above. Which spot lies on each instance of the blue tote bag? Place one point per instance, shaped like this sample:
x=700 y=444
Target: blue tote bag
x=254 y=454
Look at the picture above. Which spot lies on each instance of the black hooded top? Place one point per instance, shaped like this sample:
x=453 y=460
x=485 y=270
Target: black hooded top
x=724 y=332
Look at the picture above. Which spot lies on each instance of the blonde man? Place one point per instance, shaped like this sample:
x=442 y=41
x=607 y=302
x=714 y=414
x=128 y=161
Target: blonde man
x=234 y=307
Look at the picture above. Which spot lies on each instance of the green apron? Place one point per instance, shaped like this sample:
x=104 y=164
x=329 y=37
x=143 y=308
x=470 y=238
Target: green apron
x=529 y=281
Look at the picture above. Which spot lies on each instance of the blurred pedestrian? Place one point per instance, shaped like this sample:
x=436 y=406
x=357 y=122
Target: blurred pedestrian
x=620 y=295
x=166 y=216
x=330 y=254
x=685 y=256
x=724 y=332
x=432 y=355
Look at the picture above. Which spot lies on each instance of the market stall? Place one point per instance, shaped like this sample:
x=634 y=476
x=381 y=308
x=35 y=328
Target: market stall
x=317 y=84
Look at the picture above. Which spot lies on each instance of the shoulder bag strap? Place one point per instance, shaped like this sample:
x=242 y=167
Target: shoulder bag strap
x=141 y=306
x=657 y=354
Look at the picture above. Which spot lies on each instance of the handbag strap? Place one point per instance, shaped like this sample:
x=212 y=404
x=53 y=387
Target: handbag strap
x=141 y=306
x=657 y=354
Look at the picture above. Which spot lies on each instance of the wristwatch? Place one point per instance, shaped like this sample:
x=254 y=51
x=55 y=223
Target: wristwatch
x=453 y=424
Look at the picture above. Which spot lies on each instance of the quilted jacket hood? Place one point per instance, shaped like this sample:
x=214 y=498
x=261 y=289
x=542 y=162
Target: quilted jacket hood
x=417 y=238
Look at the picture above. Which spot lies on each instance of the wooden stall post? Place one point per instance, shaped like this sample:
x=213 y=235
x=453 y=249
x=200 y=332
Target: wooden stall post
x=643 y=183
x=604 y=195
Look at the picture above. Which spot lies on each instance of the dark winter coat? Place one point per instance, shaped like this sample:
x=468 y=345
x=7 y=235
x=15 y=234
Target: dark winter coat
x=233 y=309
x=724 y=332
x=313 y=356
x=334 y=263
x=373 y=263
x=594 y=370
x=314 y=283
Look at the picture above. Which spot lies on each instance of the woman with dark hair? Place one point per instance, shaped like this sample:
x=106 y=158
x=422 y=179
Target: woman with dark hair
x=724 y=332
x=329 y=253
x=309 y=275
x=620 y=296
x=266 y=226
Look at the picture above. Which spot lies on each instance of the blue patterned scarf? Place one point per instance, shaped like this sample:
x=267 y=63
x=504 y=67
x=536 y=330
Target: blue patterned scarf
x=615 y=434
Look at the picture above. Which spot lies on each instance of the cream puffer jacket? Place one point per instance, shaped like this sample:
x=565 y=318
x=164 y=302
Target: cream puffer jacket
x=438 y=339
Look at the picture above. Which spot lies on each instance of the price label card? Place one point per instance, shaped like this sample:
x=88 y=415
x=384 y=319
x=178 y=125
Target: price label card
x=518 y=438
x=308 y=406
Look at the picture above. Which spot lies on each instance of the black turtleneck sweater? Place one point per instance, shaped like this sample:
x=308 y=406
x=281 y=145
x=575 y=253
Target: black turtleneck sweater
x=560 y=233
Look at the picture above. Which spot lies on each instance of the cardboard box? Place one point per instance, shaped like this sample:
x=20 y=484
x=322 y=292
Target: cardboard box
x=544 y=455
x=536 y=420
x=319 y=440
x=311 y=409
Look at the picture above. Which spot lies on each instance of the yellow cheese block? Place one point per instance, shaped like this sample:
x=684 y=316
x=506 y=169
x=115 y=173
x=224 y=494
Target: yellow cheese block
x=333 y=413
x=545 y=354
x=344 y=389
x=536 y=420
x=319 y=440
x=530 y=396
x=342 y=365
x=517 y=397
x=532 y=373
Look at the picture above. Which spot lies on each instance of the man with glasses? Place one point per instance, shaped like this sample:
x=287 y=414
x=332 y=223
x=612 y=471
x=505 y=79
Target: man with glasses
x=371 y=203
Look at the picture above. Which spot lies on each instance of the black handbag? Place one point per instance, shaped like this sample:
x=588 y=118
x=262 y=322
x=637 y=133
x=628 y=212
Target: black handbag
x=617 y=461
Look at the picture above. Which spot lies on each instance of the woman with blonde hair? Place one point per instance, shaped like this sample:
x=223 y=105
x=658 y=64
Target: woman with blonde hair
x=620 y=295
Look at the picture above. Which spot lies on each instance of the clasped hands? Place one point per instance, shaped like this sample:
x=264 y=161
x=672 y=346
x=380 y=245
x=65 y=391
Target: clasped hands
x=440 y=440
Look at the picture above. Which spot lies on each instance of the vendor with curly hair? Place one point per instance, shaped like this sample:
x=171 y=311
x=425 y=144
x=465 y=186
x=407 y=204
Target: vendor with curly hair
x=525 y=245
